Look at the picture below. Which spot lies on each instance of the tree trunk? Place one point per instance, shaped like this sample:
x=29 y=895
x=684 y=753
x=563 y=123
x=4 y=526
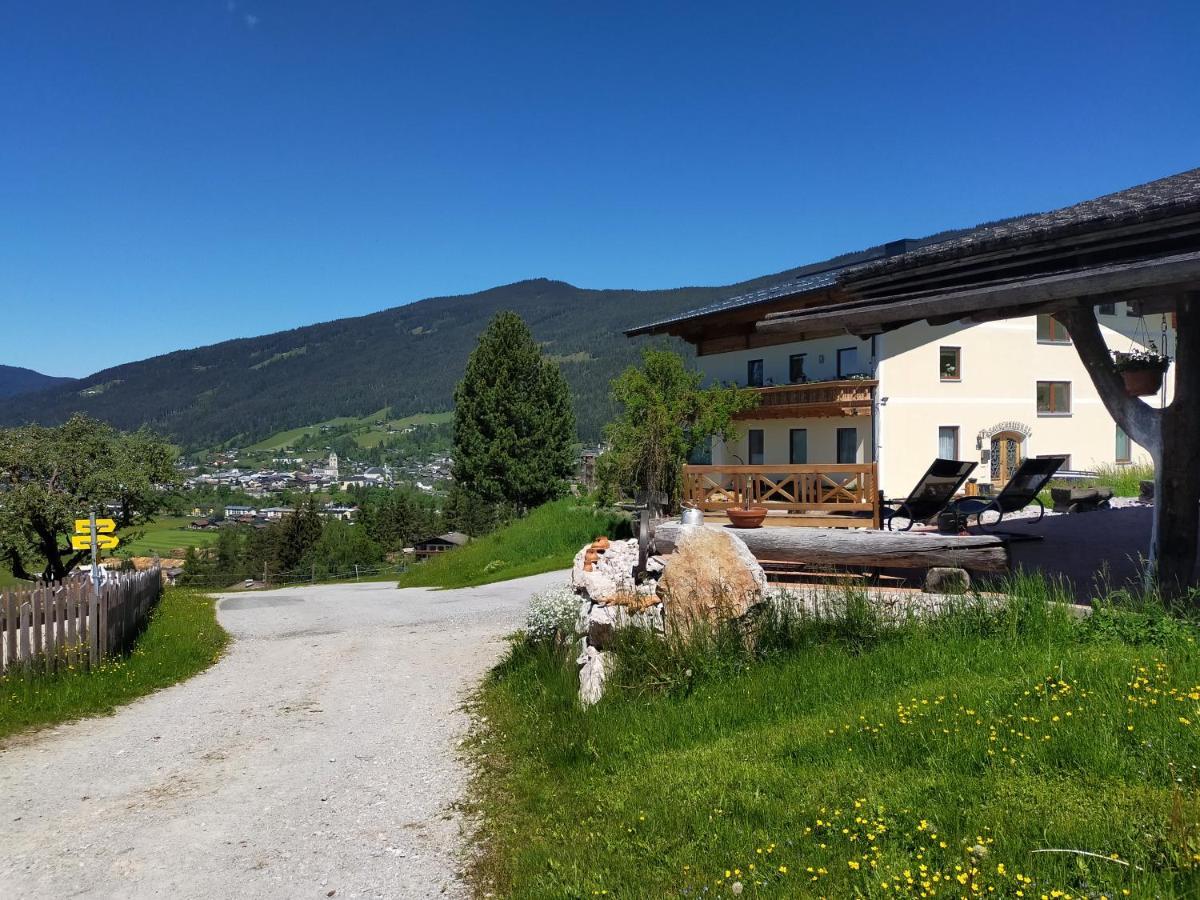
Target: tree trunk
x=1169 y=435
x=1177 y=473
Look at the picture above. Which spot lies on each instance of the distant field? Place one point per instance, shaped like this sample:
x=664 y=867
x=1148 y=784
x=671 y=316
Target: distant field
x=369 y=437
x=167 y=534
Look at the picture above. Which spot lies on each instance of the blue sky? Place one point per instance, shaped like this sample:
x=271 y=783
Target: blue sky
x=175 y=174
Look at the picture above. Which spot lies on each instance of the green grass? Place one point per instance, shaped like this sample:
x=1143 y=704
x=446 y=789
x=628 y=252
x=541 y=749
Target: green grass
x=1126 y=480
x=837 y=758
x=166 y=534
x=546 y=539
x=181 y=638
x=372 y=434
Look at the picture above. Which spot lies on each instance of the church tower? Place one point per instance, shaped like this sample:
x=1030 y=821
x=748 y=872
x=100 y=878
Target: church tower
x=332 y=469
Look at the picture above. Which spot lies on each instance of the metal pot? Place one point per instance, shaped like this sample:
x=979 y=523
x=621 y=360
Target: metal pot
x=691 y=516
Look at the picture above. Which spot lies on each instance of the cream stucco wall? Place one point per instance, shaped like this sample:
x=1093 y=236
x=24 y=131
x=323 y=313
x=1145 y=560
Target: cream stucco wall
x=1001 y=365
x=822 y=440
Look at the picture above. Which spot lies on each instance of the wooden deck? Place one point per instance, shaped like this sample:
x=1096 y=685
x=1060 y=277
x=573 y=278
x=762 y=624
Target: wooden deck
x=814 y=496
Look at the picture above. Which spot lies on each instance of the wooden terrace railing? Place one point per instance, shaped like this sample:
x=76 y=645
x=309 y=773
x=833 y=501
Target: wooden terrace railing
x=832 y=495
x=818 y=399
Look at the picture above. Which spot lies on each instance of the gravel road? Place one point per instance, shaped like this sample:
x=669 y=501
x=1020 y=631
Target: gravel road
x=316 y=759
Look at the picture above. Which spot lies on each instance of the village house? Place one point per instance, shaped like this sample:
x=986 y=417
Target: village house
x=439 y=544
x=965 y=386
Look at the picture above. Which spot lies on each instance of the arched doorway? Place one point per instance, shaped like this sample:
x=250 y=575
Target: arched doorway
x=1008 y=449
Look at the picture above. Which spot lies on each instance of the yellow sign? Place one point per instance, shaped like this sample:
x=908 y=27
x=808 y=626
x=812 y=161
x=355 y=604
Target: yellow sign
x=103 y=542
x=103 y=526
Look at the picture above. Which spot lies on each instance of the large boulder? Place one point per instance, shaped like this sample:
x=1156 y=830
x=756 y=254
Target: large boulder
x=712 y=575
x=612 y=574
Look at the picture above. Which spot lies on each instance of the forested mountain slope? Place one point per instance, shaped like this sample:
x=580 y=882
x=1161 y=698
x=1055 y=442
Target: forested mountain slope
x=408 y=358
x=15 y=381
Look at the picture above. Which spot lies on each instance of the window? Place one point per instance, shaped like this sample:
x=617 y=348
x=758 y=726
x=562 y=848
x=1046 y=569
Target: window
x=1124 y=450
x=796 y=368
x=754 y=373
x=948 y=442
x=847 y=362
x=1054 y=398
x=1065 y=457
x=847 y=445
x=950 y=364
x=1051 y=331
x=798 y=446
x=755 y=437
x=1107 y=309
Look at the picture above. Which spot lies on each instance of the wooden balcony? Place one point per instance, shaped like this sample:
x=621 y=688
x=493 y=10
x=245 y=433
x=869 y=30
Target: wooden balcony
x=815 y=400
x=831 y=495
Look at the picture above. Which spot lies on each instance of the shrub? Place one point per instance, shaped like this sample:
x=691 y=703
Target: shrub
x=552 y=615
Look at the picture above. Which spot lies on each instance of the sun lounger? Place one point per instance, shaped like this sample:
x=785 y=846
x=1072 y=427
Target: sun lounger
x=1022 y=490
x=933 y=493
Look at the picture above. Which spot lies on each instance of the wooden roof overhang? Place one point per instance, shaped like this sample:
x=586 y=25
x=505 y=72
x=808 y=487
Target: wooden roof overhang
x=737 y=329
x=1150 y=264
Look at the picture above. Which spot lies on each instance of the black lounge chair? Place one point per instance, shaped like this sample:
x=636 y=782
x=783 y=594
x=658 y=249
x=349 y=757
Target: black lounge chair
x=1022 y=489
x=933 y=493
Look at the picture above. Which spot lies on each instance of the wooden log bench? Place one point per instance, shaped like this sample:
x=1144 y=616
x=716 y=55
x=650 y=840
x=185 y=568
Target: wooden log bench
x=1075 y=500
x=832 y=548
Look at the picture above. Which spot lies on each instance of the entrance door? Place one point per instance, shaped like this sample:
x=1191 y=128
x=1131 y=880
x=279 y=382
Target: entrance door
x=1008 y=449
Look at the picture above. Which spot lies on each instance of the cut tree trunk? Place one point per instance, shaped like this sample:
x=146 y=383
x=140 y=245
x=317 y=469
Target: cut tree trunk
x=871 y=549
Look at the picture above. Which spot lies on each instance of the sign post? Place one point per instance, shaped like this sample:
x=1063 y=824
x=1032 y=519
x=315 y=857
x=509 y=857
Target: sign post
x=95 y=560
x=95 y=535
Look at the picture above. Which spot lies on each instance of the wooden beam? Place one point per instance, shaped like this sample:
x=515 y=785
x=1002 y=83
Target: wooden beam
x=873 y=549
x=1010 y=296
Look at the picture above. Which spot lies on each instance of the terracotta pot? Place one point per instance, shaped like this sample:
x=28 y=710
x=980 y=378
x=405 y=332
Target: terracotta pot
x=1142 y=382
x=746 y=518
x=601 y=543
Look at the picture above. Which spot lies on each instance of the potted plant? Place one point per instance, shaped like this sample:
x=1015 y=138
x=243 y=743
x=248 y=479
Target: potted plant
x=748 y=516
x=1141 y=370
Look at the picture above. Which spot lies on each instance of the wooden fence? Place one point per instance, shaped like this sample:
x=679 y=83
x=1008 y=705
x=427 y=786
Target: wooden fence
x=68 y=623
x=833 y=495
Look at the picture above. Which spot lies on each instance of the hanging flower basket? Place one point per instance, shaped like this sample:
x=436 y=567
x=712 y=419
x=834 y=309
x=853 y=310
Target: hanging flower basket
x=1142 y=382
x=1141 y=370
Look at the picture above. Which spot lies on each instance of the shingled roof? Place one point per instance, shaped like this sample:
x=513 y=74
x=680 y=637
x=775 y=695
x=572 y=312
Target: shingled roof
x=1156 y=199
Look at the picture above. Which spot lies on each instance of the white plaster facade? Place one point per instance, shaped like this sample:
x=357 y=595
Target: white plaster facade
x=1001 y=364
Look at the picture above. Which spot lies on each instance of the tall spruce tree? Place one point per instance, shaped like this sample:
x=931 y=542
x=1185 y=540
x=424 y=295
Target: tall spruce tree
x=514 y=428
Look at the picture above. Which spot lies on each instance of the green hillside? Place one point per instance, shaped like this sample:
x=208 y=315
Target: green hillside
x=407 y=360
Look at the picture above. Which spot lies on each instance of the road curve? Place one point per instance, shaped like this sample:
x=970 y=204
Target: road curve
x=316 y=759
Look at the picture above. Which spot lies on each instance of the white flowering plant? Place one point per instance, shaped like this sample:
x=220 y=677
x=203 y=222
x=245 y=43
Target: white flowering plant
x=552 y=614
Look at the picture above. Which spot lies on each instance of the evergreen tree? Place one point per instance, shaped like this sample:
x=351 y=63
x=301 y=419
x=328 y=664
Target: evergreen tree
x=297 y=534
x=514 y=428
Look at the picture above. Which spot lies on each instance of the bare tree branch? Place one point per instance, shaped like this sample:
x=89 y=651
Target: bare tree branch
x=1143 y=423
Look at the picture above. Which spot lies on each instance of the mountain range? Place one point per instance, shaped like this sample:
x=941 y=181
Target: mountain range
x=15 y=381
x=407 y=358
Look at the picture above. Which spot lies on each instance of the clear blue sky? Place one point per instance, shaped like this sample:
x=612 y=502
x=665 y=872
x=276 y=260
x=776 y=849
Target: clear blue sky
x=177 y=173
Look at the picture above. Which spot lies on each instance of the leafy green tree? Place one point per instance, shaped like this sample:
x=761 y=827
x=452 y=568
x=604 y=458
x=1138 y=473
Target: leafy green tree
x=341 y=547
x=514 y=430
x=51 y=476
x=665 y=416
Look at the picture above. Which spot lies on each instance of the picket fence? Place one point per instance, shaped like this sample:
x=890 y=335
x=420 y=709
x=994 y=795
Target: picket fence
x=69 y=623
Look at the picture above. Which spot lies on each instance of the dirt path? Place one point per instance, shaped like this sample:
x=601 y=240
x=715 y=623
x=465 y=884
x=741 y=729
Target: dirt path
x=317 y=757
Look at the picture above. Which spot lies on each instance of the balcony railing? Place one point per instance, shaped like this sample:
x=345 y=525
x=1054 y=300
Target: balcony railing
x=820 y=399
x=831 y=495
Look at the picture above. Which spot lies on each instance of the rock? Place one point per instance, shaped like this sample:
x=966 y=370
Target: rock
x=603 y=621
x=710 y=576
x=947 y=580
x=591 y=675
x=612 y=573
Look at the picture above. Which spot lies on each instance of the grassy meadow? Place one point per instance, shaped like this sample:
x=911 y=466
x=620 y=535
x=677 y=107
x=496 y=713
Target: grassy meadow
x=181 y=638
x=1018 y=752
x=546 y=539
x=164 y=535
